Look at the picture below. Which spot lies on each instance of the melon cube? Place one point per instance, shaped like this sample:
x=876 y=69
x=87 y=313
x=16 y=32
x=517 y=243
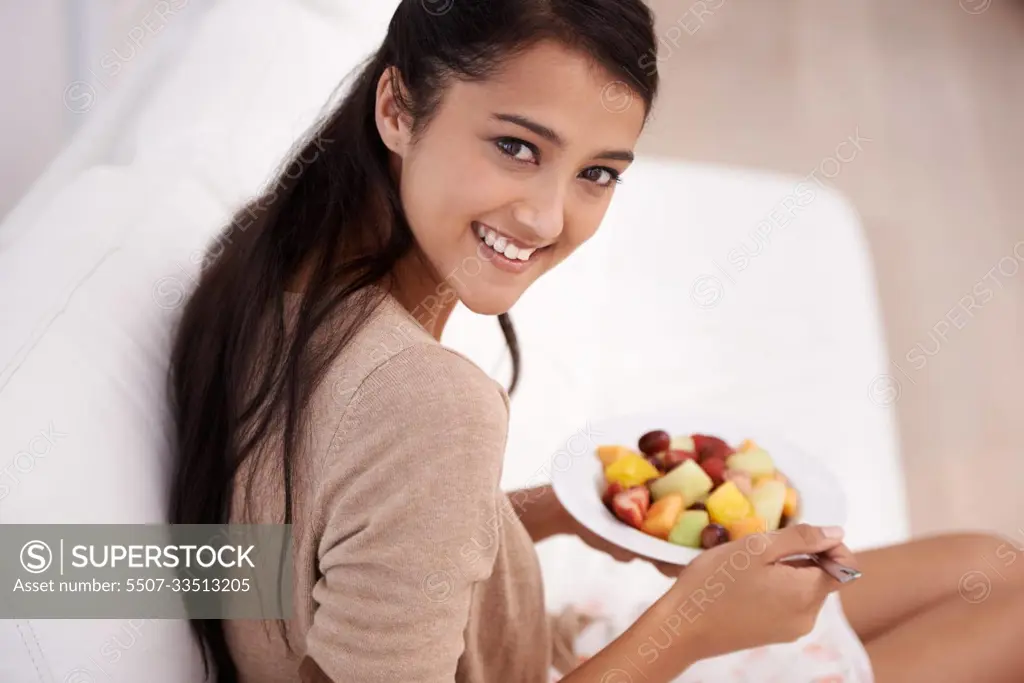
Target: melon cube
x=682 y=443
x=689 y=479
x=663 y=515
x=768 y=499
x=748 y=526
x=688 y=529
x=756 y=463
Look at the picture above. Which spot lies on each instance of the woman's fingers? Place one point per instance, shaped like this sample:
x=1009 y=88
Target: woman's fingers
x=672 y=571
x=801 y=539
x=843 y=555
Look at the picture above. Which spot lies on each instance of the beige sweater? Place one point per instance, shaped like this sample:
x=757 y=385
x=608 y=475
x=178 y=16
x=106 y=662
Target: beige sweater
x=410 y=563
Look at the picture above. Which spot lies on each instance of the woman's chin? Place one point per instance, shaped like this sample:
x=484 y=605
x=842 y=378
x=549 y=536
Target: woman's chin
x=490 y=305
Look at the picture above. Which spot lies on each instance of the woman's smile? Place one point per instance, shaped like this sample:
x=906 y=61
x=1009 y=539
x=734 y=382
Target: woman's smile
x=505 y=252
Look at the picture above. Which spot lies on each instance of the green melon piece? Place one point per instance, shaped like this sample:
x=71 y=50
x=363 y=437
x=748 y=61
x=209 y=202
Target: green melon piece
x=768 y=499
x=687 y=530
x=756 y=463
x=688 y=479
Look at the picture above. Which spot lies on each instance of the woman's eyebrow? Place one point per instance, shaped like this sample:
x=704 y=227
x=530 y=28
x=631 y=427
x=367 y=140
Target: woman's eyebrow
x=556 y=139
x=529 y=124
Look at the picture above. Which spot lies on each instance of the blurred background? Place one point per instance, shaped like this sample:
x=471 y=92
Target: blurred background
x=931 y=90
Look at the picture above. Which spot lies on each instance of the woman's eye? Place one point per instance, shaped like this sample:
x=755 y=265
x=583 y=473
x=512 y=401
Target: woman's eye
x=601 y=176
x=517 y=149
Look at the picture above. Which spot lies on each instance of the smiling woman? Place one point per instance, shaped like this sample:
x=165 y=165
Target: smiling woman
x=476 y=150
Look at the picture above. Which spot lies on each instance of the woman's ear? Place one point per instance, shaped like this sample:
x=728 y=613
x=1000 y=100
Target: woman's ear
x=392 y=121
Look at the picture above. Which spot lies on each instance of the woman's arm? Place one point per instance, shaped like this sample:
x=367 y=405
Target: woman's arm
x=625 y=654
x=540 y=512
x=631 y=657
x=543 y=516
x=404 y=504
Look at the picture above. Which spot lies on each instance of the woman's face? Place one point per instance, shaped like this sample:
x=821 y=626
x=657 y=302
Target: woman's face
x=514 y=173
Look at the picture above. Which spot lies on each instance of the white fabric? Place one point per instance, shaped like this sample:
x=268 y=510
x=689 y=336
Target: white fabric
x=830 y=653
x=95 y=262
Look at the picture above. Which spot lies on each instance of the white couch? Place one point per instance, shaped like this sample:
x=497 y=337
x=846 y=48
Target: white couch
x=95 y=261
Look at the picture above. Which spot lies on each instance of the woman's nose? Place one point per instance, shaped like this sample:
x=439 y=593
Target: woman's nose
x=543 y=216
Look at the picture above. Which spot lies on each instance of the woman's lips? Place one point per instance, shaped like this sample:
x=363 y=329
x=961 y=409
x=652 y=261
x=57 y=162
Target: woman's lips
x=500 y=260
x=502 y=244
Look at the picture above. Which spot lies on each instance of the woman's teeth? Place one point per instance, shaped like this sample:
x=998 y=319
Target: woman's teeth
x=502 y=245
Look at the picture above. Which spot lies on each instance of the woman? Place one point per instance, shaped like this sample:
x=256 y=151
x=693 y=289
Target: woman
x=476 y=150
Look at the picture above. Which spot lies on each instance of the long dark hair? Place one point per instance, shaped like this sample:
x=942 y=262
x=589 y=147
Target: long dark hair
x=335 y=210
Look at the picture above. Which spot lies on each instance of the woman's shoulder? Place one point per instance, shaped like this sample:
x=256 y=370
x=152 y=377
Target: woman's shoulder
x=403 y=407
x=393 y=376
x=392 y=347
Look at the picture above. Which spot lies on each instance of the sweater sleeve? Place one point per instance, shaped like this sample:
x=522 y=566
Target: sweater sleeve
x=409 y=500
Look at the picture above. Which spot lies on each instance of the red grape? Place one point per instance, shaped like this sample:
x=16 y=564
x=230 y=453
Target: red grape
x=654 y=442
x=712 y=535
x=711 y=447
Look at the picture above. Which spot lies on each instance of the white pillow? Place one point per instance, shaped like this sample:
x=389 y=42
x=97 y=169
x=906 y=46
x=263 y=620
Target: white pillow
x=91 y=284
x=88 y=305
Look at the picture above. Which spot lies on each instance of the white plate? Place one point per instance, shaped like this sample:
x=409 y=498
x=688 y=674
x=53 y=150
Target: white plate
x=578 y=480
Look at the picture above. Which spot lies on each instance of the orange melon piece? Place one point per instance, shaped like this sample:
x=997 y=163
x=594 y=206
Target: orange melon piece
x=746 y=527
x=791 y=506
x=663 y=515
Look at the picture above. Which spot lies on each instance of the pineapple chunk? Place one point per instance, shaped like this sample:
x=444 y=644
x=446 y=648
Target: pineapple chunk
x=728 y=504
x=609 y=454
x=631 y=470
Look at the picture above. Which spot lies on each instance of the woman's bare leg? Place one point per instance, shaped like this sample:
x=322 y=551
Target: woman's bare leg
x=942 y=609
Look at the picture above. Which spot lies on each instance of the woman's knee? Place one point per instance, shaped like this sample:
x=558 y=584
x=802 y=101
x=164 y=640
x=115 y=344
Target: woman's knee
x=988 y=557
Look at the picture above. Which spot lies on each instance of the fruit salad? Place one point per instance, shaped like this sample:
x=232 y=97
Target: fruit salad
x=697 y=490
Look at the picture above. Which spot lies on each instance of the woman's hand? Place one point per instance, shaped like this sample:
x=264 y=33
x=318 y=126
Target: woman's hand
x=543 y=516
x=739 y=595
x=616 y=552
x=732 y=597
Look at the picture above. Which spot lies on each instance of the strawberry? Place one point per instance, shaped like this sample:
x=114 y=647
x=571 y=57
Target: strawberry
x=711 y=447
x=610 y=493
x=715 y=468
x=631 y=505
